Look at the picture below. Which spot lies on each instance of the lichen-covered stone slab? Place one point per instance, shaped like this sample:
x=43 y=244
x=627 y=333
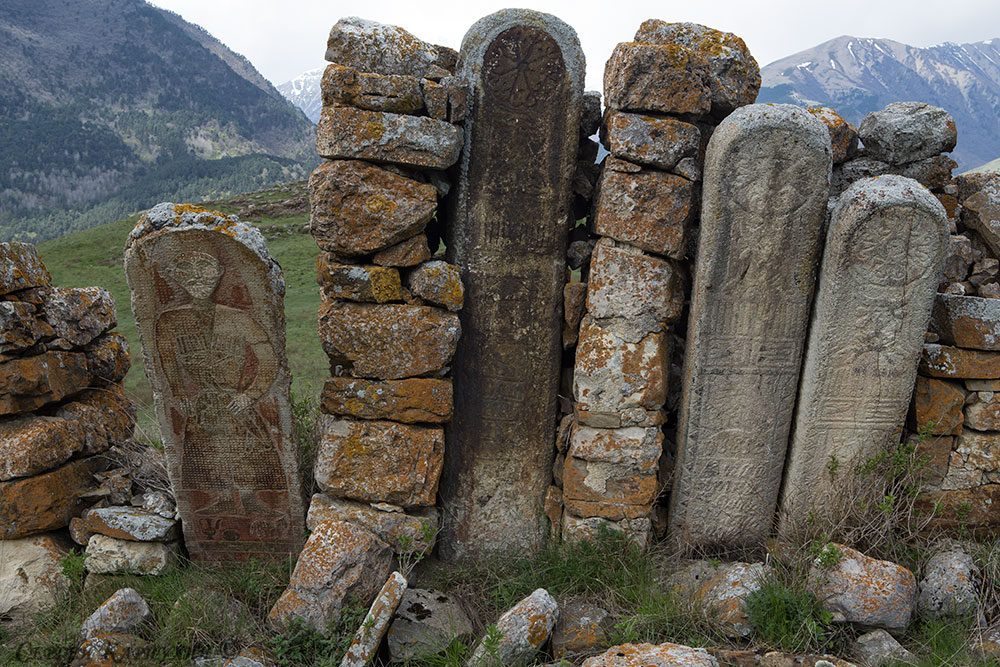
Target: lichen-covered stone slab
x=507 y=235
x=881 y=267
x=843 y=135
x=370 y=46
x=208 y=302
x=387 y=341
x=108 y=359
x=946 y=361
x=339 y=561
x=652 y=140
x=354 y=282
x=21 y=268
x=576 y=529
x=439 y=283
x=358 y=208
x=649 y=209
x=379 y=461
x=652 y=655
x=380 y=136
x=411 y=401
x=652 y=77
x=79 y=315
x=131 y=523
x=31 y=444
x=47 y=501
x=406 y=253
x=29 y=383
x=763 y=209
x=937 y=406
x=967 y=321
x=366 y=640
x=397 y=93
x=122 y=612
x=907 y=131
x=412 y=532
x=110 y=555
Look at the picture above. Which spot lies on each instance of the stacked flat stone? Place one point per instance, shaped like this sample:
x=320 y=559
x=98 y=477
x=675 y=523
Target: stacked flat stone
x=664 y=94
x=143 y=537
x=390 y=125
x=61 y=399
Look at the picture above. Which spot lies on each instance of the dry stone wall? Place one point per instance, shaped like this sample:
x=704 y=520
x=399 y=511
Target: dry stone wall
x=390 y=126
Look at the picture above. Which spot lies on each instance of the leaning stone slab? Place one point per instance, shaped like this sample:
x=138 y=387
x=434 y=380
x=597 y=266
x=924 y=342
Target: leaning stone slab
x=370 y=46
x=763 y=209
x=881 y=267
x=412 y=532
x=47 y=501
x=339 y=561
x=907 y=131
x=379 y=461
x=208 y=302
x=368 y=637
x=122 y=612
x=359 y=208
x=507 y=235
x=377 y=136
x=967 y=321
x=21 y=268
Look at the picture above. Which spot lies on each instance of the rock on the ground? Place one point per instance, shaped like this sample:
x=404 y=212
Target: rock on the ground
x=865 y=591
x=879 y=647
x=30 y=574
x=580 y=629
x=426 y=622
x=725 y=593
x=109 y=649
x=652 y=655
x=522 y=630
x=949 y=586
x=108 y=555
x=339 y=561
x=122 y=612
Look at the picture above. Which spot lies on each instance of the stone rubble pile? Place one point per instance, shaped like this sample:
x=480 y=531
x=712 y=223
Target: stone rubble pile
x=664 y=93
x=62 y=406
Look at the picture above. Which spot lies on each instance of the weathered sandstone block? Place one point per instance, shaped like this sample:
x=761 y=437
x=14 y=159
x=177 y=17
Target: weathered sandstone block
x=907 y=131
x=406 y=253
x=339 y=560
x=934 y=173
x=358 y=208
x=131 y=523
x=31 y=576
x=208 y=302
x=21 y=268
x=20 y=328
x=944 y=361
x=652 y=140
x=108 y=359
x=763 y=209
x=377 y=47
x=843 y=135
x=881 y=267
x=396 y=93
x=612 y=473
x=45 y=502
x=439 y=283
x=937 y=406
x=652 y=655
x=577 y=529
x=387 y=341
x=419 y=141
x=647 y=77
x=425 y=624
x=106 y=415
x=410 y=401
x=109 y=555
x=734 y=77
x=31 y=382
x=613 y=376
x=974 y=462
x=379 y=461
x=630 y=293
x=984 y=414
x=507 y=235
x=648 y=209
x=31 y=444
x=352 y=282
x=967 y=321
x=80 y=315
x=981 y=213
x=405 y=533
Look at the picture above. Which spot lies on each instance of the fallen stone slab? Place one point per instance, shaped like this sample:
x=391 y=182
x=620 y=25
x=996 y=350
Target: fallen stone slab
x=368 y=637
x=124 y=611
x=521 y=632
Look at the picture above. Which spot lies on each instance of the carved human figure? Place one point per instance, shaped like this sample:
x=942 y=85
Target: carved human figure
x=218 y=363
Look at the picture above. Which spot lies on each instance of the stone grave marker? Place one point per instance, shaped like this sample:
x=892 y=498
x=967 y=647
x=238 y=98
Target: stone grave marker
x=880 y=272
x=508 y=236
x=767 y=175
x=207 y=299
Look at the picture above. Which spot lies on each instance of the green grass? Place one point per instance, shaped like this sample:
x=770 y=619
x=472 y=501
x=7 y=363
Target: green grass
x=94 y=257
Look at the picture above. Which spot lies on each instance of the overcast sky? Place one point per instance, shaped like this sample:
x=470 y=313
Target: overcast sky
x=283 y=38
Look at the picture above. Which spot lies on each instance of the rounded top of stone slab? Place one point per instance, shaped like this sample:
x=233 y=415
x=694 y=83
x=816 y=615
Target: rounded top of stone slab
x=759 y=120
x=486 y=29
x=903 y=132
x=890 y=190
x=734 y=72
x=181 y=217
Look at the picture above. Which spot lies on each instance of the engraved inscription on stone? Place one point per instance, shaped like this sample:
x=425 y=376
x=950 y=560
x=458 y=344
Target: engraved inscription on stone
x=212 y=330
x=765 y=190
x=881 y=268
x=507 y=234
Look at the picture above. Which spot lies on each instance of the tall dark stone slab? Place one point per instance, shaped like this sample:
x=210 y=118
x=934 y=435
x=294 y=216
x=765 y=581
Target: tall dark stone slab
x=208 y=304
x=767 y=173
x=507 y=233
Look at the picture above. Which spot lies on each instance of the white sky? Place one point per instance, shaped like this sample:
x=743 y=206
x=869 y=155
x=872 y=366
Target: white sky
x=285 y=38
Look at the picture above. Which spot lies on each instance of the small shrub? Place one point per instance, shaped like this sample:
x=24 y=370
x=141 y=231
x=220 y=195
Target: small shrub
x=787 y=618
x=74 y=567
x=301 y=644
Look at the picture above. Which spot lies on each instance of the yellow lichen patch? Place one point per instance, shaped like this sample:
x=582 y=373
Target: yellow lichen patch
x=372 y=129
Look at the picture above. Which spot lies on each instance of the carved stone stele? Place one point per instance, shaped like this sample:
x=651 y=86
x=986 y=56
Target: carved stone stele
x=507 y=235
x=881 y=268
x=767 y=175
x=207 y=299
